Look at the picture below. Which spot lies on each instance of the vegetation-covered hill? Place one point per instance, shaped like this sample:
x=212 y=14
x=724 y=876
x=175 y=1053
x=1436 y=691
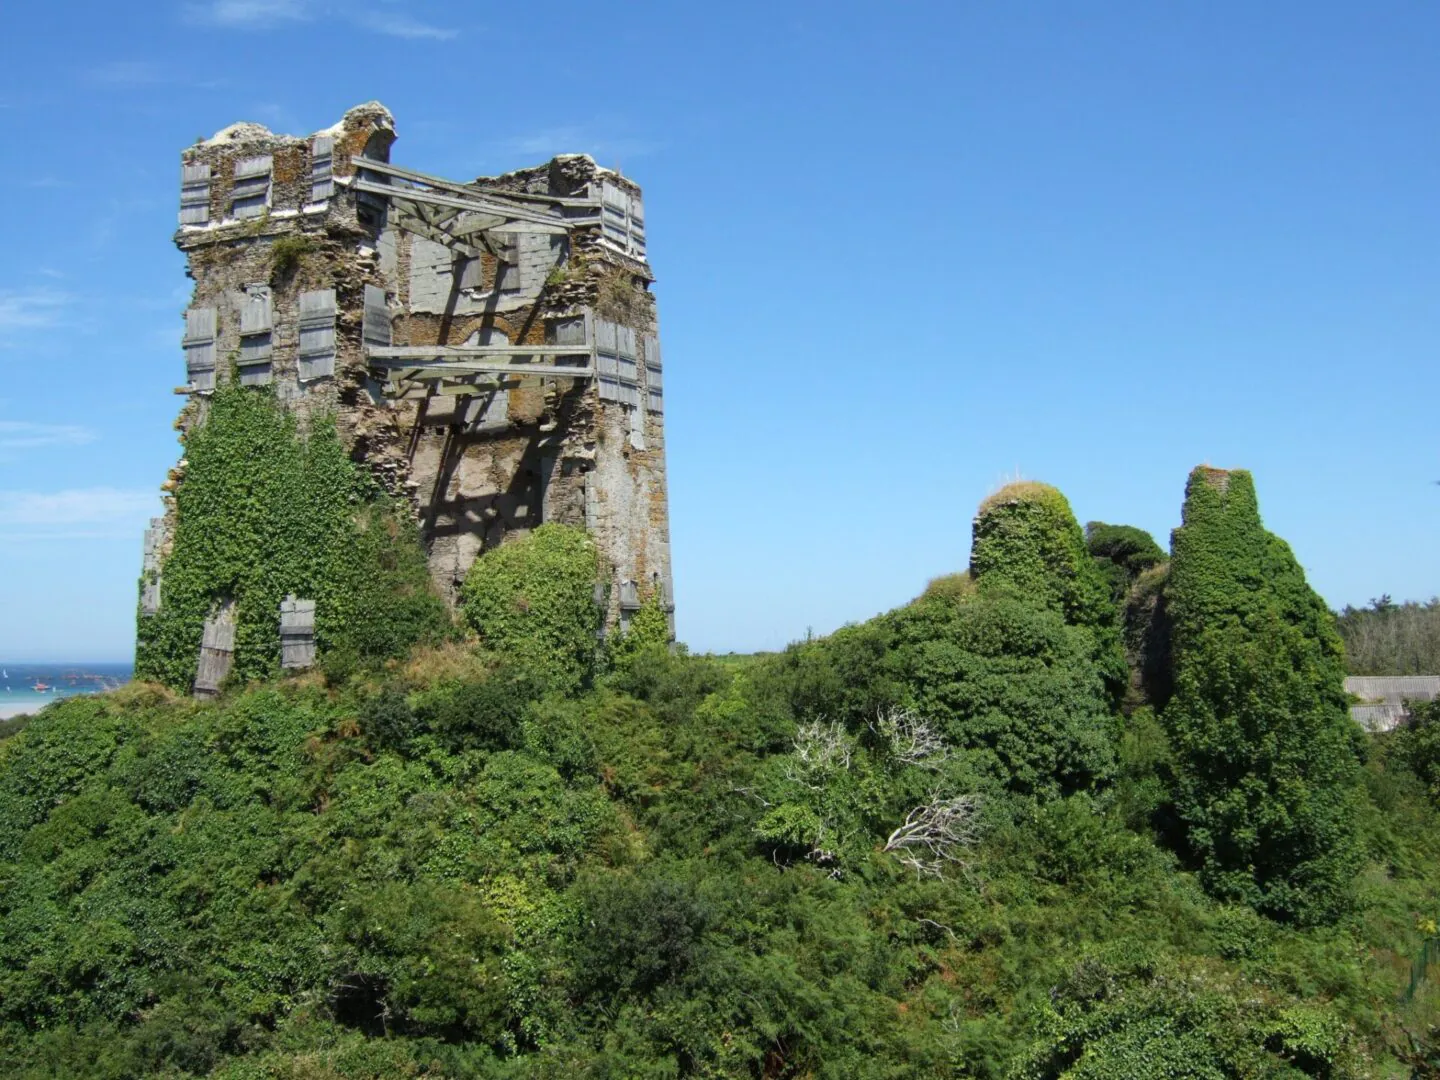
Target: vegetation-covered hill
x=955 y=840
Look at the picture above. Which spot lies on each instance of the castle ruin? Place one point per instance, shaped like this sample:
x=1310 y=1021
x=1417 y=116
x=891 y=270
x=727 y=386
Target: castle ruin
x=489 y=348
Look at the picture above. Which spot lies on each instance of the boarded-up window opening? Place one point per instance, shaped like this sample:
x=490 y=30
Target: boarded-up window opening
x=375 y=326
x=199 y=343
x=250 y=196
x=617 y=362
x=654 y=380
x=317 y=334
x=622 y=219
x=507 y=271
x=217 y=652
x=297 y=633
x=256 y=322
x=150 y=571
x=322 y=160
x=194 y=194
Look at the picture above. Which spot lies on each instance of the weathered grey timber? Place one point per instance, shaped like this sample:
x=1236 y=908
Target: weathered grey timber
x=297 y=633
x=217 y=652
x=489 y=348
x=1383 y=698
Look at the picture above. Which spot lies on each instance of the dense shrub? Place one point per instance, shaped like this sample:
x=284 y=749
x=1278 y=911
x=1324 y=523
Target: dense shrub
x=532 y=599
x=1266 y=759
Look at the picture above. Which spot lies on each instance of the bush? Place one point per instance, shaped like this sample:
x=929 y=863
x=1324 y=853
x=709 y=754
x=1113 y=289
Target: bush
x=532 y=599
x=1265 y=751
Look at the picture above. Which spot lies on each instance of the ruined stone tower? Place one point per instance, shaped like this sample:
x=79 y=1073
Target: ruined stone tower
x=489 y=348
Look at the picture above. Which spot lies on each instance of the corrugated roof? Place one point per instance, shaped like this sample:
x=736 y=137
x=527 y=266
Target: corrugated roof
x=1384 y=698
x=1394 y=688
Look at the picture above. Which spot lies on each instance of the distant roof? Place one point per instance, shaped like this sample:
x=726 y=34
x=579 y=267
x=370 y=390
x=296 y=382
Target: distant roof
x=1384 y=698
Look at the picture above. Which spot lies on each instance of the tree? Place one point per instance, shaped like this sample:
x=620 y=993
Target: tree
x=1266 y=754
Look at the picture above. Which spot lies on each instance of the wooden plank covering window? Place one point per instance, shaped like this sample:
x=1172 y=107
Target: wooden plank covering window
x=194 y=194
x=322 y=162
x=250 y=197
x=654 y=377
x=256 y=321
x=217 y=652
x=316 y=359
x=297 y=633
x=375 y=326
x=199 y=343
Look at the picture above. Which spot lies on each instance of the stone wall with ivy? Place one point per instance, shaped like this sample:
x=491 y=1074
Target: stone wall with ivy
x=263 y=510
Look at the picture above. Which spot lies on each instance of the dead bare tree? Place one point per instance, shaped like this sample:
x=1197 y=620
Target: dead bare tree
x=935 y=833
x=913 y=739
x=820 y=749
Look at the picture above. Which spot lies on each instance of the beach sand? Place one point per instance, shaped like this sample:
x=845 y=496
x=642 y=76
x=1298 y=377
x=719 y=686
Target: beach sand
x=7 y=711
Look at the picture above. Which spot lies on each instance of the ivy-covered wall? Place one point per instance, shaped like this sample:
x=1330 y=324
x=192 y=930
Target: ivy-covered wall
x=263 y=511
x=1027 y=535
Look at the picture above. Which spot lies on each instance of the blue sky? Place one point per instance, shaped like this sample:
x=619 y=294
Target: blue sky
x=905 y=252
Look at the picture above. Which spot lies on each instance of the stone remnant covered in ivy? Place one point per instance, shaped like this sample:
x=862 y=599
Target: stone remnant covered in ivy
x=486 y=351
x=1026 y=535
x=1266 y=753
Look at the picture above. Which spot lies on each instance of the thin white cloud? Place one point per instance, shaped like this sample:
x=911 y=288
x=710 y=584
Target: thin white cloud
x=248 y=14
x=607 y=148
x=264 y=14
x=101 y=513
x=31 y=309
x=403 y=26
x=126 y=73
x=25 y=435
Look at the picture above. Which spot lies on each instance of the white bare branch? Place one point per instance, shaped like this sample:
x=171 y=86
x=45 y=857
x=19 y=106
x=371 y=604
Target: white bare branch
x=936 y=833
x=913 y=739
x=820 y=749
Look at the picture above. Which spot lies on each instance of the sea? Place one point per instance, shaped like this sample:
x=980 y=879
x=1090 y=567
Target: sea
x=20 y=683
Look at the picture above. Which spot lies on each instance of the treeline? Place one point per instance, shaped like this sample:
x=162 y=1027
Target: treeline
x=1087 y=809
x=1387 y=638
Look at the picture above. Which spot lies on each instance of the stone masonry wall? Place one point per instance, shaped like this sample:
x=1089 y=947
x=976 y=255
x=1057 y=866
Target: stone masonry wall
x=476 y=468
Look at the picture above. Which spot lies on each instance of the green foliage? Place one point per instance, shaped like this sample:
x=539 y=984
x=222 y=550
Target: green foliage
x=1026 y=535
x=1418 y=745
x=1123 y=553
x=532 y=599
x=262 y=513
x=285 y=255
x=649 y=630
x=1266 y=760
x=455 y=868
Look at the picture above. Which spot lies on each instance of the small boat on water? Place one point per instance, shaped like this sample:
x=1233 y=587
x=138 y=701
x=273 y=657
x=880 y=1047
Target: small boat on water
x=41 y=687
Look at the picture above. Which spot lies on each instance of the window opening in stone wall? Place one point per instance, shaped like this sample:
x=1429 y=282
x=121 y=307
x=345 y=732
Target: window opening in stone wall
x=194 y=194
x=256 y=347
x=250 y=197
x=322 y=168
x=317 y=334
x=199 y=344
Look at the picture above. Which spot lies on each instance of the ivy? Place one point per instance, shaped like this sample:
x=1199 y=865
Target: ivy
x=1026 y=534
x=533 y=600
x=1266 y=753
x=261 y=513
